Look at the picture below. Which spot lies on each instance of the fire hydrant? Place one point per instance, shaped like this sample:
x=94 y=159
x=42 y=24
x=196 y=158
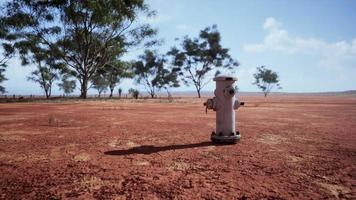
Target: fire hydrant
x=225 y=104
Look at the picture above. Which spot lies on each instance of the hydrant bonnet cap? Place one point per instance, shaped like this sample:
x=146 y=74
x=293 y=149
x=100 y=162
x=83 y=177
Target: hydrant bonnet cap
x=225 y=78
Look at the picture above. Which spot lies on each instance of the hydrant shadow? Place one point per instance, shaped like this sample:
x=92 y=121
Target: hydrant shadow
x=150 y=149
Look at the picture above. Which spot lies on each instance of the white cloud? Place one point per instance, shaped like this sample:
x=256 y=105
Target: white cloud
x=332 y=55
x=354 y=46
x=271 y=23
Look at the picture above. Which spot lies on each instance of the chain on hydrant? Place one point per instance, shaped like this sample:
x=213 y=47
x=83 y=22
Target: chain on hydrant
x=225 y=104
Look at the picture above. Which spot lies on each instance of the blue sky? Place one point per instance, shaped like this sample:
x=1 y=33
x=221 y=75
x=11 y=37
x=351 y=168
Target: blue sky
x=311 y=44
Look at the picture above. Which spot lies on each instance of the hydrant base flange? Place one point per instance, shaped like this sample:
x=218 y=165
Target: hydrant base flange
x=225 y=139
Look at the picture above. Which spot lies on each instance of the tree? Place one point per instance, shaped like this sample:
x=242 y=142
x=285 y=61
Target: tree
x=8 y=52
x=167 y=79
x=151 y=72
x=29 y=27
x=115 y=73
x=120 y=92
x=266 y=80
x=2 y=78
x=97 y=33
x=100 y=83
x=199 y=56
x=134 y=93
x=68 y=86
x=47 y=68
x=44 y=76
x=84 y=35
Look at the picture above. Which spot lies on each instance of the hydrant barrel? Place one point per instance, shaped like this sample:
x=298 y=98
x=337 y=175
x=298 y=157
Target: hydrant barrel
x=224 y=103
x=225 y=115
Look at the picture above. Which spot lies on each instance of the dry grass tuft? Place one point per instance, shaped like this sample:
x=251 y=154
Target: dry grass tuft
x=179 y=166
x=335 y=190
x=91 y=183
x=82 y=157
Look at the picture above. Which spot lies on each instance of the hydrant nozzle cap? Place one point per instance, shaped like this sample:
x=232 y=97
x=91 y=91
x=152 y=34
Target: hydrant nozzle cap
x=225 y=78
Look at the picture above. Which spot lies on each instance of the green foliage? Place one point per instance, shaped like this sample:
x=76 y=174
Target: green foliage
x=100 y=83
x=199 y=56
x=120 y=92
x=115 y=73
x=266 y=80
x=134 y=93
x=68 y=86
x=8 y=52
x=44 y=76
x=151 y=72
x=28 y=27
x=98 y=33
x=167 y=78
x=2 y=78
x=79 y=36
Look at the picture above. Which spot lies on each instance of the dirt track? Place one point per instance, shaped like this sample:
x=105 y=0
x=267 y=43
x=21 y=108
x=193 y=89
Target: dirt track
x=291 y=148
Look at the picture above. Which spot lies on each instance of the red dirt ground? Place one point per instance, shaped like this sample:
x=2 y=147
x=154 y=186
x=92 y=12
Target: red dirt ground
x=292 y=147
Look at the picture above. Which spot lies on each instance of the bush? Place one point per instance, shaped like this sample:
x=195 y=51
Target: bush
x=134 y=93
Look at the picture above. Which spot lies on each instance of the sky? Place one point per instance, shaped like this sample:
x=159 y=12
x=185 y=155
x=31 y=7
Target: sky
x=310 y=44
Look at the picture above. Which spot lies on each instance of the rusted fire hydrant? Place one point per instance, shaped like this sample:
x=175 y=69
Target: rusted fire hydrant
x=225 y=104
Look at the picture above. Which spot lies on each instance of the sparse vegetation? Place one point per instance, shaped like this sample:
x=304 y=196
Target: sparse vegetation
x=2 y=79
x=44 y=76
x=134 y=93
x=199 y=56
x=8 y=52
x=68 y=86
x=80 y=37
x=266 y=80
x=100 y=83
x=152 y=72
x=115 y=73
x=86 y=41
x=120 y=92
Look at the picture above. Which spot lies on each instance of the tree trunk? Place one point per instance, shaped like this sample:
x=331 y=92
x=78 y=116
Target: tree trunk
x=111 y=91
x=198 y=88
x=49 y=91
x=169 y=95
x=84 y=88
x=152 y=93
x=46 y=92
x=198 y=91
